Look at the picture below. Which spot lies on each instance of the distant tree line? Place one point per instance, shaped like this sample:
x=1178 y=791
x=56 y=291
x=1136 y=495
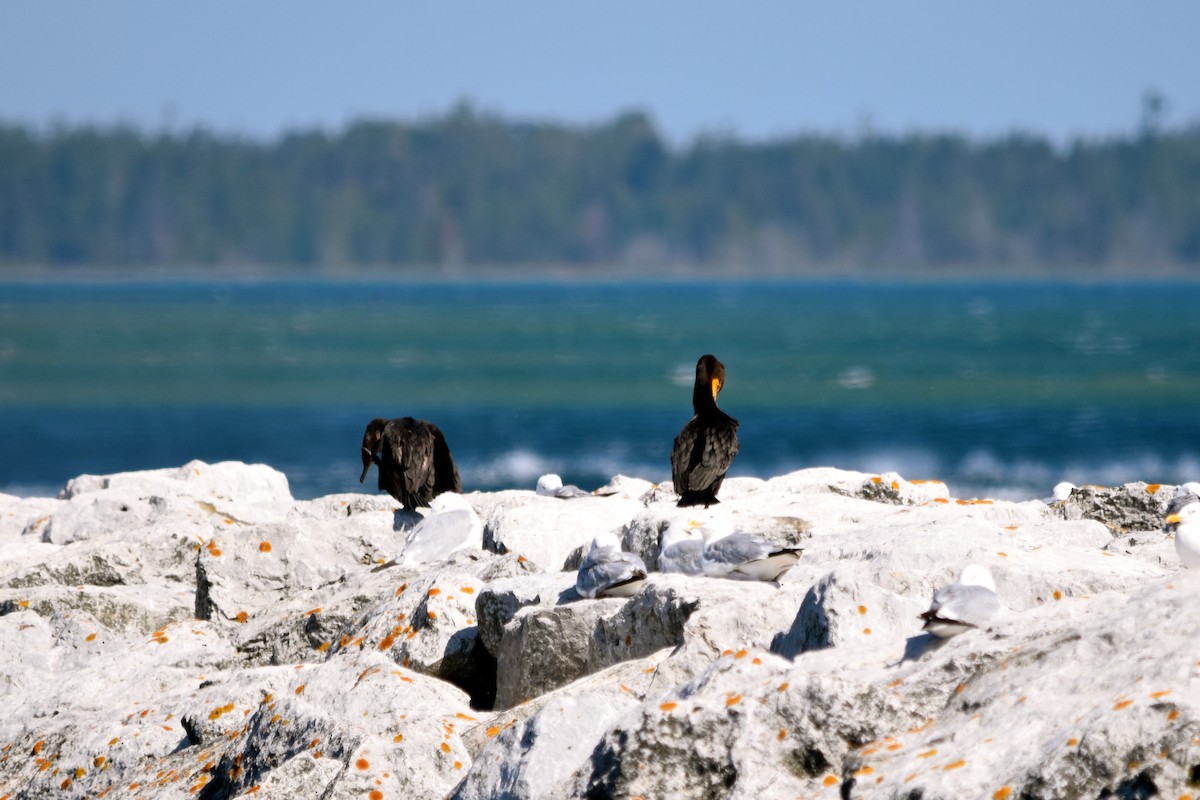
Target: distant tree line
x=472 y=188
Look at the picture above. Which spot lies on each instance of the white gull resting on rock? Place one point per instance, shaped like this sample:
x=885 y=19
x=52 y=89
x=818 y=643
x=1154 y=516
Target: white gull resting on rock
x=450 y=526
x=740 y=556
x=682 y=548
x=606 y=571
x=1183 y=520
x=958 y=607
x=550 y=485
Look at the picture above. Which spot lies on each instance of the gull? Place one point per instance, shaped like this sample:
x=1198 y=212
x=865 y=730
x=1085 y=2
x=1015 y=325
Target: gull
x=971 y=602
x=606 y=571
x=682 y=548
x=742 y=557
x=1061 y=492
x=550 y=485
x=1183 y=520
x=452 y=525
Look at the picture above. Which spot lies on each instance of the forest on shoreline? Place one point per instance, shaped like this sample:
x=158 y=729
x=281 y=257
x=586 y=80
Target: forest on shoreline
x=476 y=191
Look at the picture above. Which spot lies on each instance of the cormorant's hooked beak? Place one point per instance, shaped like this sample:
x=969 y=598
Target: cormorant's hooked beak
x=367 y=457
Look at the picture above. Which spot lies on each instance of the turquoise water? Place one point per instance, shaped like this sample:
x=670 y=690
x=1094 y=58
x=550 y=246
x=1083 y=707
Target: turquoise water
x=996 y=388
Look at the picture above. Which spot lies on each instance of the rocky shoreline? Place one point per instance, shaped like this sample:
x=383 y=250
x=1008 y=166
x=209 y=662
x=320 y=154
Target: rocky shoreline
x=197 y=632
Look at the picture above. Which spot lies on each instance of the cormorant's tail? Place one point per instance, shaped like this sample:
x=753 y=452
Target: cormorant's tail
x=704 y=498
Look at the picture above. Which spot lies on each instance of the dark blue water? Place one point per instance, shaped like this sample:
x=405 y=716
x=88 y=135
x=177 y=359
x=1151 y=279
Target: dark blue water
x=999 y=389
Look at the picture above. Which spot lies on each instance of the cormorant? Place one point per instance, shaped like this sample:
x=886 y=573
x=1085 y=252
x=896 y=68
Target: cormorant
x=705 y=447
x=414 y=461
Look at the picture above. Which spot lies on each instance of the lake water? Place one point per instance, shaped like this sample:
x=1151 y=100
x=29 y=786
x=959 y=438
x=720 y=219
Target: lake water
x=999 y=389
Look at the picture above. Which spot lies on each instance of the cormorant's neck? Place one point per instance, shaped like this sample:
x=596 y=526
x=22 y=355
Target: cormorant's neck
x=702 y=397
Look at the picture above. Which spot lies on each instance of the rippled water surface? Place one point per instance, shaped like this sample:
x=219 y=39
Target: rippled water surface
x=996 y=388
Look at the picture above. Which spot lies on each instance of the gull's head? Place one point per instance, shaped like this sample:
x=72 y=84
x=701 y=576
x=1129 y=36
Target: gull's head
x=605 y=539
x=449 y=501
x=714 y=527
x=680 y=530
x=1183 y=510
x=977 y=575
x=1062 y=491
x=548 y=483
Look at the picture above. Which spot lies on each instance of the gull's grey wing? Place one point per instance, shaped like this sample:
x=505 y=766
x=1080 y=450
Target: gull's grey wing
x=436 y=537
x=605 y=570
x=976 y=606
x=683 y=557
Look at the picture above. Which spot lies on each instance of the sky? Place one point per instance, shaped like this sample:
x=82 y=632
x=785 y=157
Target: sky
x=757 y=70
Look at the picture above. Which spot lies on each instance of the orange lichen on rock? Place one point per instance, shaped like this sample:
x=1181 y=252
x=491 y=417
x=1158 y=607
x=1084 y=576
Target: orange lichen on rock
x=1122 y=704
x=1153 y=487
x=433 y=592
x=928 y=753
x=957 y=764
x=219 y=710
x=782 y=734
x=242 y=617
x=466 y=590
x=387 y=642
x=830 y=780
x=733 y=701
x=375 y=795
x=91 y=637
x=493 y=731
x=445 y=747
x=1157 y=695
x=362 y=764
x=740 y=654
x=264 y=547
x=668 y=706
x=1003 y=793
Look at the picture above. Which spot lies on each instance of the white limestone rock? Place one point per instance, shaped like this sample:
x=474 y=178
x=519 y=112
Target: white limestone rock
x=546 y=530
x=318 y=654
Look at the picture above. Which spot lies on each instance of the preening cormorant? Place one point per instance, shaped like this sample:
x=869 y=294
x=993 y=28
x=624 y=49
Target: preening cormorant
x=414 y=461
x=705 y=447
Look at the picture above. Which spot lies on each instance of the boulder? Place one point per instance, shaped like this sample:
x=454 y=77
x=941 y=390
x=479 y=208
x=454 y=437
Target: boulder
x=1133 y=507
x=546 y=529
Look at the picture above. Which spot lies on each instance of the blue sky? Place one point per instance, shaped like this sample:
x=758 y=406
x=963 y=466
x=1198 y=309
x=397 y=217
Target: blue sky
x=1062 y=68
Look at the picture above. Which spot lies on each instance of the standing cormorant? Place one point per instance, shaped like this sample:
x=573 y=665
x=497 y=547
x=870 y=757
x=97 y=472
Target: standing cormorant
x=414 y=461
x=705 y=447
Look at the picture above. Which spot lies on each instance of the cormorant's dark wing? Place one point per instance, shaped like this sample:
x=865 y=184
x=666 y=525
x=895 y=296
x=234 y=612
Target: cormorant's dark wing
x=681 y=454
x=703 y=452
x=416 y=460
x=445 y=473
